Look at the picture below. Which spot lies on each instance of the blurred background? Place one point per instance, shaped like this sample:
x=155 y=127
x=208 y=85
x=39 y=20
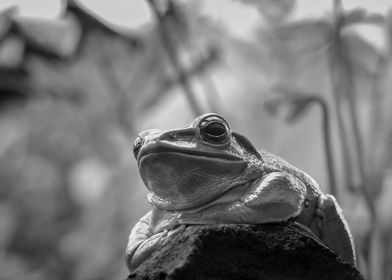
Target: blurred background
x=308 y=80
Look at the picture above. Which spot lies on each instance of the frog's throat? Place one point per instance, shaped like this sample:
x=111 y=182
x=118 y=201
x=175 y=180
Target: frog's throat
x=179 y=181
x=240 y=185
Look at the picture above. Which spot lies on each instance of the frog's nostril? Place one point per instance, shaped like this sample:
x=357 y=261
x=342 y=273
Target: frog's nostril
x=137 y=144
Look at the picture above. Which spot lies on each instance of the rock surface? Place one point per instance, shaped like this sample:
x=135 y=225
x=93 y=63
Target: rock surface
x=244 y=252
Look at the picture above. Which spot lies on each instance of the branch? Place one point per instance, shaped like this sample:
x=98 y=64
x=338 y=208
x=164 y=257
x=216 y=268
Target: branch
x=201 y=67
x=326 y=127
x=346 y=90
x=170 y=47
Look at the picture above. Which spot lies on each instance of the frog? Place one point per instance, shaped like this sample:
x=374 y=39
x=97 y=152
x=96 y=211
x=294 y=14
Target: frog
x=206 y=174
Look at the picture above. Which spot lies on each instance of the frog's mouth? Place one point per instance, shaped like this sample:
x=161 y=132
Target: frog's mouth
x=201 y=151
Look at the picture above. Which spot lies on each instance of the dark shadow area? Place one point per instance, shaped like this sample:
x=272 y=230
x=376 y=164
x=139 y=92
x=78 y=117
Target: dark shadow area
x=269 y=252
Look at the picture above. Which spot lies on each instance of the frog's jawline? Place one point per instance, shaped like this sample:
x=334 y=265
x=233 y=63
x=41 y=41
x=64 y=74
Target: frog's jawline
x=200 y=204
x=156 y=148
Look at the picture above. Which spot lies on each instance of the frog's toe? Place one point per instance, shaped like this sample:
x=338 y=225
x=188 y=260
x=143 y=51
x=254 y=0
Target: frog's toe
x=173 y=233
x=144 y=249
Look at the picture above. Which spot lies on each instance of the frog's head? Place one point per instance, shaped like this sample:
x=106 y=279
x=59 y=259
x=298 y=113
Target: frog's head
x=188 y=167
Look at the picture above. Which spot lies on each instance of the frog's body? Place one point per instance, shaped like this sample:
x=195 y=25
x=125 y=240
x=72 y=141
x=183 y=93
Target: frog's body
x=206 y=174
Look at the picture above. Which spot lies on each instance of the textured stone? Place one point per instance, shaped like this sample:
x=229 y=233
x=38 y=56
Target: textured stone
x=244 y=252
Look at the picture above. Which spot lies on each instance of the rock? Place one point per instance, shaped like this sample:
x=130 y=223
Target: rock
x=244 y=252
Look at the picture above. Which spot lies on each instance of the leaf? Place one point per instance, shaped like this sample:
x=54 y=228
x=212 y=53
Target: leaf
x=176 y=21
x=60 y=37
x=360 y=16
x=361 y=55
x=6 y=20
x=12 y=50
x=295 y=103
x=304 y=37
x=274 y=11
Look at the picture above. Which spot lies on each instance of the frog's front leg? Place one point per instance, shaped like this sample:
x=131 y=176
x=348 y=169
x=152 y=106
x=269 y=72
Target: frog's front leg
x=333 y=228
x=276 y=197
x=147 y=236
x=142 y=242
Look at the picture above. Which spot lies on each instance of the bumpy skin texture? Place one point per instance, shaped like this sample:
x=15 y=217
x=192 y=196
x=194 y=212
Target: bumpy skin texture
x=206 y=174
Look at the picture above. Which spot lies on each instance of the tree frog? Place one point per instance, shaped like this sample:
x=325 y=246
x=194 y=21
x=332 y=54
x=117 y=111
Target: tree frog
x=206 y=174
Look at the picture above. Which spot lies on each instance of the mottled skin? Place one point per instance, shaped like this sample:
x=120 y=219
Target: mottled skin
x=206 y=174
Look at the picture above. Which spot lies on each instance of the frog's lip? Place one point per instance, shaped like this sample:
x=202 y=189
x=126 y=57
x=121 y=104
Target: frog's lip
x=155 y=148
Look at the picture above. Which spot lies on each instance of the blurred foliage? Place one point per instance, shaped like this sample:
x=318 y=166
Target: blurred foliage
x=74 y=93
x=359 y=116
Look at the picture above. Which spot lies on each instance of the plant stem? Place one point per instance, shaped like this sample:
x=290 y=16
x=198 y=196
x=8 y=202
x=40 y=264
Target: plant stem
x=344 y=86
x=197 y=69
x=338 y=92
x=346 y=89
x=172 y=56
x=326 y=128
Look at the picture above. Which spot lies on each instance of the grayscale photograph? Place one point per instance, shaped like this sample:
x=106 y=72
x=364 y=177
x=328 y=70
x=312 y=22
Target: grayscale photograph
x=204 y=139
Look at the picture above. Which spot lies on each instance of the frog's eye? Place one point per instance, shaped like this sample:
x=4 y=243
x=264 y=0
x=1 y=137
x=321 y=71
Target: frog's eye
x=137 y=144
x=214 y=130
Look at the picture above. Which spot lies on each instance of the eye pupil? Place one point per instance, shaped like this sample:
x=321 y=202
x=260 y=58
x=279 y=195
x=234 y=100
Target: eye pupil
x=214 y=131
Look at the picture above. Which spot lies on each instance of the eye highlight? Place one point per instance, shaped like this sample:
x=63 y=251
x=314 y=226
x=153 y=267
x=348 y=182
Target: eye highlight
x=214 y=130
x=137 y=144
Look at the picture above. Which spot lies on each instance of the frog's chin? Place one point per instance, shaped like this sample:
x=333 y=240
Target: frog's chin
x=179 y=181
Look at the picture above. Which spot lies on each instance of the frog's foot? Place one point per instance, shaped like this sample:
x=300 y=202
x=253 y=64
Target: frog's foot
x=333 y=228
x=141 y=250
x=276 y=197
